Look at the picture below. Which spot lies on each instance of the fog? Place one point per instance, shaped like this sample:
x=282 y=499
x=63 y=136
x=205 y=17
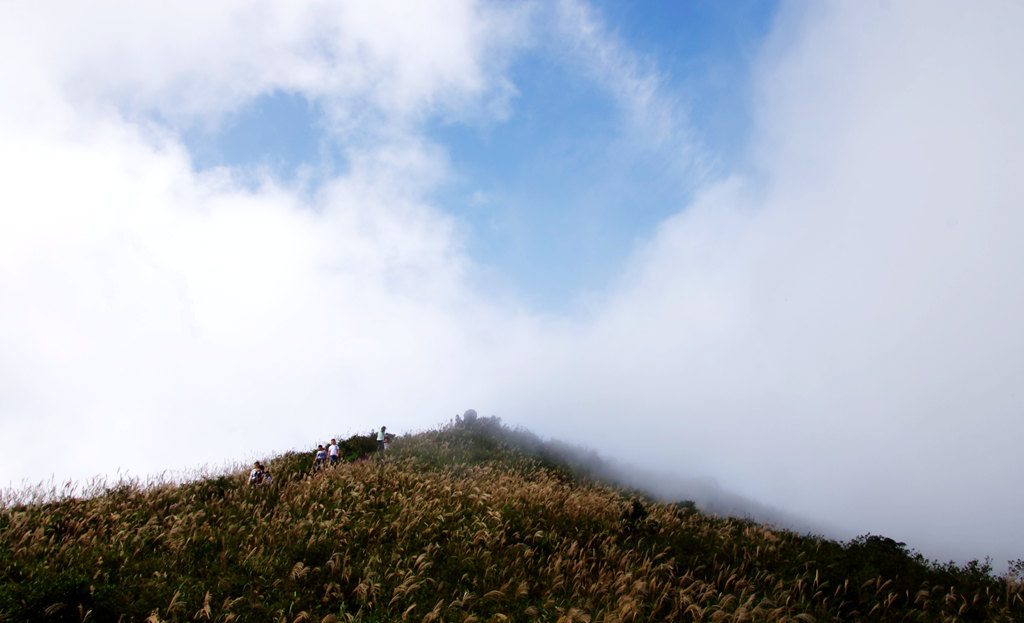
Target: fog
x=835 y=331
x=830 y=328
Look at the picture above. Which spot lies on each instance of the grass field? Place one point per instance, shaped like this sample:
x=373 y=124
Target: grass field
x=465 y=523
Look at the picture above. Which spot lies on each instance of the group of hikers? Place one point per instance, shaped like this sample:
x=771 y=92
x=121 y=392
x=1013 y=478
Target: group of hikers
x=259 y=475
x=324 y=457
x=331 y=455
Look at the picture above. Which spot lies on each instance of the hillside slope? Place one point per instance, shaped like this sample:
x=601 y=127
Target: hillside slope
x=467 y=523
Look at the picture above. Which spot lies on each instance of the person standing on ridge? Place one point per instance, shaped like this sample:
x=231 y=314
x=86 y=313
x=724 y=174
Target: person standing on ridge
x=256 y=475
x=382 y=437
x=332 y=453
x=318 y=460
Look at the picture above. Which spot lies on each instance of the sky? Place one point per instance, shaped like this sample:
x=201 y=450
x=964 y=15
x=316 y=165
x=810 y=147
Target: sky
x=775 y=245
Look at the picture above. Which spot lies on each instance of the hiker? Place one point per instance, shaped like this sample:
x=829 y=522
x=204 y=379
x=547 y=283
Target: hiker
x=318 y=460
x=382 y=439
x=332 y=453
x=256 y=475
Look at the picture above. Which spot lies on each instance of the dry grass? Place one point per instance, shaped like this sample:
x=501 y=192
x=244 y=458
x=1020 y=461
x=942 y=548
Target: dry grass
x=456 y=527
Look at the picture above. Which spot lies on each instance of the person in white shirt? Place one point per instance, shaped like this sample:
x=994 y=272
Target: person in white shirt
x=256 y=475
x=332 y=453
x=382 y=437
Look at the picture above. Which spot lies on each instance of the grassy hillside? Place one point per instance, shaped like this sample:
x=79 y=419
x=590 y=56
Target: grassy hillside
x=469 y=523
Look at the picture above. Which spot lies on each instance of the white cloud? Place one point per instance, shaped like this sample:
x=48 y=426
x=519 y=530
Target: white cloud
x=655 y=118
x=155 y=318
x=837 y=333
x=189 y=60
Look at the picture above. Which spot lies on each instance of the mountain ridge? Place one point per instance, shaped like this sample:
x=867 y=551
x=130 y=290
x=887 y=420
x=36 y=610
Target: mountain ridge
x=472 y=521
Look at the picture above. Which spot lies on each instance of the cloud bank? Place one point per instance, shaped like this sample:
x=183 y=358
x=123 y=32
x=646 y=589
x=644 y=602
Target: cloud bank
x=831 y=328
x=154 y=317
x=834 y=328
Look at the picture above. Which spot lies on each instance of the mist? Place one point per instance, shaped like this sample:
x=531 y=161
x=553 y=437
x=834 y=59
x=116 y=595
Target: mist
x=835 y=331
x=830 y=327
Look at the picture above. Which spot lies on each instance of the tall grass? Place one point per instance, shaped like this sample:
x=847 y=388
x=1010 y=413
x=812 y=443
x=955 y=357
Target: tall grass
x=460 y=524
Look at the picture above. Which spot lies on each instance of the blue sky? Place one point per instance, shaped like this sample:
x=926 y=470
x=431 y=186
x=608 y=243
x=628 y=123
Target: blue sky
x=783 y=239
x=554 y=195
x=280 y=132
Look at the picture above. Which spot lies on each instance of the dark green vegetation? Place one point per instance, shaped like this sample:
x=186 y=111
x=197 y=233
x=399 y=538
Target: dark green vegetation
x=469 y=523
